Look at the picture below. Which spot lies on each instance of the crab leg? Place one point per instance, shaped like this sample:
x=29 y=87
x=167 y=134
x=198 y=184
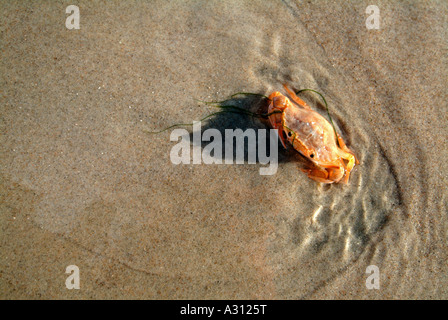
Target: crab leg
x=296 y=99
x=319 y=175
x=278 y=102
x=345 y=148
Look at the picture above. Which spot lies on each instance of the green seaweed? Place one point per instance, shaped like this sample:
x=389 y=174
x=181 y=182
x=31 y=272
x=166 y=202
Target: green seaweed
x=227 y=108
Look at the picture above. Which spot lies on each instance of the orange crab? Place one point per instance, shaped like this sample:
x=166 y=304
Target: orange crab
x=313 y=136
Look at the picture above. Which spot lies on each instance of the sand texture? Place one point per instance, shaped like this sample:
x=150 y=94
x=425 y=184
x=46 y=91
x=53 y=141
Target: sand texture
x=83 y=183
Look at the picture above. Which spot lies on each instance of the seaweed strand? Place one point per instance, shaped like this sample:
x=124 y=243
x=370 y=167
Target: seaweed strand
x=238 y=110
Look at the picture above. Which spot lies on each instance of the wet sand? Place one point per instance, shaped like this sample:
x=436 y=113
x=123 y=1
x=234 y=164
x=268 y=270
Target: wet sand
x=82 y=183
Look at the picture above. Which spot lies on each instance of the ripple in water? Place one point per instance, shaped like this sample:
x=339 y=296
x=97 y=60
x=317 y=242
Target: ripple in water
x=337 y=224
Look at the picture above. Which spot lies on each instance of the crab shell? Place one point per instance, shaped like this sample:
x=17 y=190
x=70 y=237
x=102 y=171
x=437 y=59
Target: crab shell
x=313 y=136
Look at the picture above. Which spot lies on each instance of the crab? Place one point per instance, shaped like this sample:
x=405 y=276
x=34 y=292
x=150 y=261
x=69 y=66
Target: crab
x=313 y=136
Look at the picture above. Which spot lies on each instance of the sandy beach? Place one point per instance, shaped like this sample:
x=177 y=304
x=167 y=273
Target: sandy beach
x=83 y=183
